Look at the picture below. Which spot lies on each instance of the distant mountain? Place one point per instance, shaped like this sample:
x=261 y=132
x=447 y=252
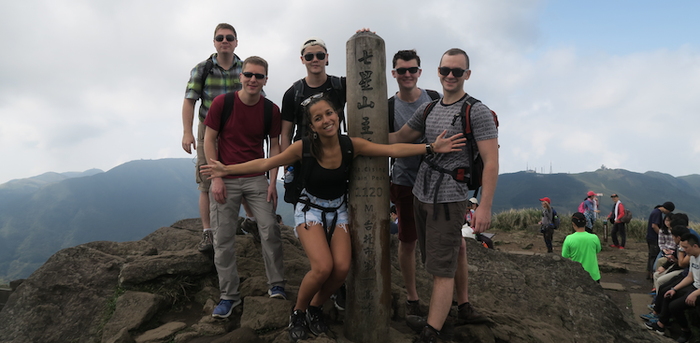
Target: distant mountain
x=638 y=192
x=49 y=212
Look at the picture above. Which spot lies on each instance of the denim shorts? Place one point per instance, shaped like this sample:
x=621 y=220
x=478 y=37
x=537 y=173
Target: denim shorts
x=313 y=216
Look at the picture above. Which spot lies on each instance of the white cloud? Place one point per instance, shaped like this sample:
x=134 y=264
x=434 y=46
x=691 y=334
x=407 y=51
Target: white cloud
x=94 y=84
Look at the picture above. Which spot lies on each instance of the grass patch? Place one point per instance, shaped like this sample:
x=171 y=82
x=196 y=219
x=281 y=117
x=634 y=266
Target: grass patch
x=110 y=307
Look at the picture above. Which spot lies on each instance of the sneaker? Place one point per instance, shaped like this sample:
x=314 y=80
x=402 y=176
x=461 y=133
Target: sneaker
x=277 y=292
x=297 y=326
x=428 y=335
x=614 y=246
x=649 y=316
x=207 y=243
x=339 y=298
x=225 y=307
x=622 y=248
x=684 y=337
x=413 y=308
x=467 y=314
x=314 y=316
x=251 y=228
x=655 y=327
x=651 y=307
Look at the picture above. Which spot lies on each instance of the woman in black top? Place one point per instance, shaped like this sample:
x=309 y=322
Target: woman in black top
x=329 y=258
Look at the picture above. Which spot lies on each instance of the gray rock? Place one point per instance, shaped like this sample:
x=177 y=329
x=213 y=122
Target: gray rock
x=242 y=335
x=147 y=268
x=132 y=310
x=161 y=333
x=122 y=337
x=265 y=313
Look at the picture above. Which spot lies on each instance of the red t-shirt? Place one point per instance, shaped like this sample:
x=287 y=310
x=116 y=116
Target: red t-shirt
x=241 y=139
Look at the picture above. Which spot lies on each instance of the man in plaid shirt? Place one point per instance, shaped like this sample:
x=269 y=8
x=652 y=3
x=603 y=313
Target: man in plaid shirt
x=219 y=74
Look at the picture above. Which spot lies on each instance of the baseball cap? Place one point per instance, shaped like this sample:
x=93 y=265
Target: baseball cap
x=578 y=219
x=546 y=199
x=669 y=206
x=590 y=193
x=313 y=41
x=614 y=195
x=474 y=201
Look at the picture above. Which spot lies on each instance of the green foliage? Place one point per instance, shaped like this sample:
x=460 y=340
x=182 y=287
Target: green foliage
x=110 y=307
x=516 y=219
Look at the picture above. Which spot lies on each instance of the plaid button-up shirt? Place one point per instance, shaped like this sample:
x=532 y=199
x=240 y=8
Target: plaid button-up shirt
x=218 y=82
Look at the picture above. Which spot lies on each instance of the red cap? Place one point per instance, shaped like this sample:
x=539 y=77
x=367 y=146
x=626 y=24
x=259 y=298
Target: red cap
x=547 y=200
x=591 y=193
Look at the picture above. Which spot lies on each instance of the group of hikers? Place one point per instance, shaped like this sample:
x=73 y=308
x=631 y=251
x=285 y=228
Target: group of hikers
x=673 y=263
x=431 y=199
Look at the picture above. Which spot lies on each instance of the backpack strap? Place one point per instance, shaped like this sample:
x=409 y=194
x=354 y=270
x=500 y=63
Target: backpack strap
x=433 y=94
x=392 y=101
x=208 y=66
x=229 y=100
x=339 y=90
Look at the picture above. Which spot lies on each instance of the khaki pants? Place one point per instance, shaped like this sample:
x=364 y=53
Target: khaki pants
x=224 y=223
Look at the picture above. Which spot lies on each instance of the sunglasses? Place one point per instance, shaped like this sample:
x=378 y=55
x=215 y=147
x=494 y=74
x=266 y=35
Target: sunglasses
x=309 y=99
x=402 y=71
x=320 y=55
x=457 y=72
x=257 y=76
x=220 y=38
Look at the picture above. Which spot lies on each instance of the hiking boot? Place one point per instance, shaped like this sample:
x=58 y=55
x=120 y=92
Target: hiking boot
x=297 y=326
x=416 y=323
x=467 y=314
x=413 y=308
x=428 y=335
x=251 y=228
x=207 y=242
x=277 y=292
x=339 y=298
x=655 y=327
x=314 y=316
x=225 y=307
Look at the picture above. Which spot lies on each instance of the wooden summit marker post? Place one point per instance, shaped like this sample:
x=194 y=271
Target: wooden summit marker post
x=368 y=305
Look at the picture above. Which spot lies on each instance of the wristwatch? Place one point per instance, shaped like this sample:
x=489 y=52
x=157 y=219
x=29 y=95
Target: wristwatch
x=428 y=148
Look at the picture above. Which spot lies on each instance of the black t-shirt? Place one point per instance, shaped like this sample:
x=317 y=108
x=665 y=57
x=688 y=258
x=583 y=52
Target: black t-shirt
x=293 y=112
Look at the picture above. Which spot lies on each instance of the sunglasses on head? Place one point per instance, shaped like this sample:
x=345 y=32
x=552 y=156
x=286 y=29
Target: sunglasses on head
x=320 y=55
x=309 y=99
x=402 y=71
x=257 y=76
x=220 y=38
x=457 y=72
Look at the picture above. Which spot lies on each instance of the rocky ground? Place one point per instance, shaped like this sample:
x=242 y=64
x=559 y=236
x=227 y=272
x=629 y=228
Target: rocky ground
x=160 y=289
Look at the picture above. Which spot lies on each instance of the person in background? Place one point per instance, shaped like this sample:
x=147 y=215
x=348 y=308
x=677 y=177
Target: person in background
x=589 y=210
x=618 y=227
x=653 y=226
x=582 y=246
x=547 y=226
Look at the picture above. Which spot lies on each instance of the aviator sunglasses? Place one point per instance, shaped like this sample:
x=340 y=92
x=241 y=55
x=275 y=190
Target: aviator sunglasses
x=220 y=38
x=257 y=76
x=320 y=55
x=402 y=71
x=457 y=72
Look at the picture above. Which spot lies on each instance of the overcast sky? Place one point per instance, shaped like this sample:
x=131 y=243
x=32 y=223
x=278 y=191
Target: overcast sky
x=94 y=84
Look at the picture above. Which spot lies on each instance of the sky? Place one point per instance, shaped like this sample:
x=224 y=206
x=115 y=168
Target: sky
x=576 y=85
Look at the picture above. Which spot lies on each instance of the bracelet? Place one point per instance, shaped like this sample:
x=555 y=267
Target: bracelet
x=428 y=148
x=673 y=289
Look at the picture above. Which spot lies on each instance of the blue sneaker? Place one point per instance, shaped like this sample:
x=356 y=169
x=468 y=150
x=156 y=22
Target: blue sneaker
x=277 y=292
x=225 y=307
x=649 y=316
x=650 y=306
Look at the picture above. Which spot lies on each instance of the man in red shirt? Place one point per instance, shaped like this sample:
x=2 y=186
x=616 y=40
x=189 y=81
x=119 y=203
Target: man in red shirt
x=241 y=140
x=618 y=226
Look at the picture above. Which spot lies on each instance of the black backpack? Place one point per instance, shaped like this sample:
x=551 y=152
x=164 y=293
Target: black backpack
x=555 y=219
x=230 y=99
x=471 y=175
x=336 y=88
x=301 y=171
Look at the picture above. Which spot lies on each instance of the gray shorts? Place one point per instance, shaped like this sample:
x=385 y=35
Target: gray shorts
x=439 y=240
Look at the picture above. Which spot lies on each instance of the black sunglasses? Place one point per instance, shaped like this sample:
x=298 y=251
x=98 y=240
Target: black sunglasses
x=402 y=71
x=257 y=76
x=220 y=38
x=457 y=72
x=320 y=55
